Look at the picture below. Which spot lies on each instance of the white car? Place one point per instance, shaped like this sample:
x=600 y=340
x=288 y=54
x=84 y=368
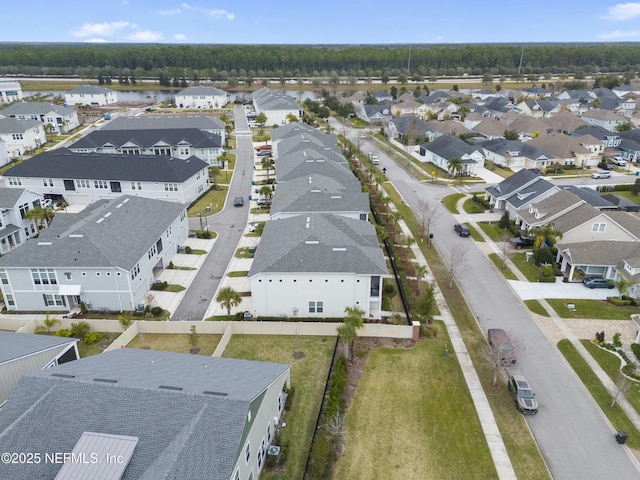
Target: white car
x=601 y=174
x=621 y=162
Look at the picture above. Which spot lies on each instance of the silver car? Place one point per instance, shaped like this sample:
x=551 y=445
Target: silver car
x=523 y=395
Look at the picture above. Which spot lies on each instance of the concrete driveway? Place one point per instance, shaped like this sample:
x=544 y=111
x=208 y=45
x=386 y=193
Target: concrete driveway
x=530 y=291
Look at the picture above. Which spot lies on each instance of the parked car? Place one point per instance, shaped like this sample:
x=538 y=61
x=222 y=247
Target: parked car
x=462 y=230
x=537 y=171
x=238 y=202
x=605 y=166
x=264 y=201
x=264 y=153
x=374 y=160
x=500 y=342
x=621 y=162
x=597 y=282
x=601 y=174
x=522 y=242
x=523 y=395
x=263 y=147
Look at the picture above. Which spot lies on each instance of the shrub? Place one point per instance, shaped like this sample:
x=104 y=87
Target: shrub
x=635 y=348
x=618 y=302
x=187 y=249
x=91 y=338
x=505 y=221
x=80 y=329
x=290 y=394
x=171 y=266
x=543 y=255
x=63 y=332
x=205 y=234
x=83 y=308
x=155 y=311
x=159 y=286
x=616 y=340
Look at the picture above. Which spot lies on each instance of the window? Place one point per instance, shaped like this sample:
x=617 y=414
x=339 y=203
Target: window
x=135 y=272
x=136 y=185
x=83 y=183
x=24 y=208
x=247 y=453
x=316 y=307
x=10 y=301
x=67 y=275
x=47 y=182
x=17 y=136
x=152 y=252
x=3 y=277
x=236 y=476
x=44 y=276
x=100 y=184
x=15 y=181
x=269 y=432
x=170 y=187
x=598 y=227
x=261 y=453
x=51 y=300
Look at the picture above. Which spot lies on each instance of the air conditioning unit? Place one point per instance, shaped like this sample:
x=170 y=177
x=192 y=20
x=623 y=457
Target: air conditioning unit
x=274 y=451
x=140 y=307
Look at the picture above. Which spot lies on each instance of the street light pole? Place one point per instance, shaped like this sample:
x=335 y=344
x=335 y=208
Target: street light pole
x=429 y=232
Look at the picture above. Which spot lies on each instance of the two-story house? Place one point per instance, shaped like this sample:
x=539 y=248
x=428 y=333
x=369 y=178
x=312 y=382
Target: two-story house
x=56 y=119
x=21 y=136
x=15 y=227
x=276 y=105
x=91 y=95
x=200 y=96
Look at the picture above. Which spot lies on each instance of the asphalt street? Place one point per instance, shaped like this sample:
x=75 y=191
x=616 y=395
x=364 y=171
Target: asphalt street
x=229 y=224
x=575 y=438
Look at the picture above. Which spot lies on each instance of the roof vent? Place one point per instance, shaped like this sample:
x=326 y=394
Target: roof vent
x=220 y=394
x=62 y=375
x=45 y=243
x=311 y=242
x=76 y=235
x=339 y=249
x=104 y=380
x=167 y=387
x=100 y=220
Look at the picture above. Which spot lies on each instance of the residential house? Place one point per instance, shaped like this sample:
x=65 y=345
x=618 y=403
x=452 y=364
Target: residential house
x=592 y=197
x=437 y=129
x=541 y=108
x=604 y=118
x=498 y=105
x=15 y=227
x=316 y=265
x=21 y=136
x=4 y=153
x=435 y=96
x=564 y=122
x=202 y=97
x=489 y=128
x=91 y=95
x=515 y=154
x=625 y=90
x=56 y=119
x=374 y=114
x=153 y=414
x=629 y=147
x=165 y=122
x=104 y=257
x=304 y=162
x=82 y=178
x=357 y=99
x=482 y=93
x=447 y=147
x=535 y=92
x=584 y=96
x=609 y=139
x=527 y=127
x=566 y=150
x=22 y=353
x=560 y=208
x=519 y=191
x=382 y=96
x=10 y=91
x=276 y=105
x=180 y=143
x=591 y=143
x=407 y=129
x=408 y=106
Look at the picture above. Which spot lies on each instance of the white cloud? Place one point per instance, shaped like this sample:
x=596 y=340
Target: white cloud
x=222 y=14
x=188 y=7
x=95 y=40
x=623 y=11
x=105 y=29
x=177 y=11
x=145 y=36
x=619 y=35
x=180 y=37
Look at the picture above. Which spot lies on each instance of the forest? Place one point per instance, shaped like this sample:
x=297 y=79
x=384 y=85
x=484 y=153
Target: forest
x=222 y=62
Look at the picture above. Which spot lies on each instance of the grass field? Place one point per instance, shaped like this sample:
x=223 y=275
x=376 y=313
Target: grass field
x=451 y=201
x=308 y=375
x=395 y=428
x=536 y=307
x=213 y=198
x=178 y=343
x=528 y=269
x=87 y=350
x=497 y=261
x=585 y=308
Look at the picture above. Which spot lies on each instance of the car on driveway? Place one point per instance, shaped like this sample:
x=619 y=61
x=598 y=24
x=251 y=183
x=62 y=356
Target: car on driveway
x=462 y=230
x=605 y=166
x=596 y=282
x=238 y=202
x=601 y=174
x=621 y=162
x=537 y=171
x=523 y=395
x=522 y=242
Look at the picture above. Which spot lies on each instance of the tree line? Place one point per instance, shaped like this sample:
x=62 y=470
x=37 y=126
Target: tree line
x=215 y=62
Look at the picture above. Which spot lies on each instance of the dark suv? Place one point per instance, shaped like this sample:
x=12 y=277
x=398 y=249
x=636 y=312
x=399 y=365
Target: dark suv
x=462 y=230
x=605 y=166
x=595 y=282
x=522 y=242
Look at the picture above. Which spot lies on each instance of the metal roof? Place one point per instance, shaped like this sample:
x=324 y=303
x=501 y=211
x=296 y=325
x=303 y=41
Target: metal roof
x=16 y=345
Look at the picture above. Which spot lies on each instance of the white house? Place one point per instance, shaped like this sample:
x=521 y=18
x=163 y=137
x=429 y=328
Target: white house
x=4 y=153
x=202 y=97
x=90 y=95
x=276 y=106
x=104 y=256
x=167 y=415
x=176 y=142
x=10 y=91
x=82 y=178
x=604 y=118
x=15 y=228
x=447 y=147
x=21 y=136
x=314 y=265
x=55 y=118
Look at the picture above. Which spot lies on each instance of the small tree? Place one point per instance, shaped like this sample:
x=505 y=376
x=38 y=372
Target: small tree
x=267 y=164
x=623 y=385
x=50 y=322
x=193 y=337
x=546 y=234
x=455 y=263
x=511 y=134
x=505 y=249
x=261 y=118
x=623 y=285
x=348 y=332
x=421 y=271
x=213 y=173
x=124 y=321
x=228 y=298
x=427 y=303
x=455 y=165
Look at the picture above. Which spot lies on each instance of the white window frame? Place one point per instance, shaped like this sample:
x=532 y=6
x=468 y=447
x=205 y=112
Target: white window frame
x=598 y=227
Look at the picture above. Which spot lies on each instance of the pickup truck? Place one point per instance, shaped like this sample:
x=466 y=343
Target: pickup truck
x=263 y=147
x=522 y=242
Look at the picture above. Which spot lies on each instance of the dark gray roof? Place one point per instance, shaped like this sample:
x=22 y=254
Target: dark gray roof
x=182 y=434
x=633 y=134
x=267 y=99
x=302 y=130
x=498 y=104
x=405 y=123
x=310 y=161
x=590 y=196
x=82 y=240
x=147 y=138
x=448 y=147
x=513 y=183
x=64 y=163
x=301 y=140
x=35 y=108
x=595 y=131
x=13 y=125
x=319 y=243
x=16 y=345
x=10 y=196
x=164 y=122
x=90 y=89
x=202 y=90
x=502 y=146
x=373 y=110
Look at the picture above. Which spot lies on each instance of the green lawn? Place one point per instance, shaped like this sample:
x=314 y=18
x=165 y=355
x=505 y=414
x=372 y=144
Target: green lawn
x=627 y=195
x=469 y=206
x=474 y=233
x=591 y=309
x=508 y=274
x=536 y=307
x=178 y=343
x=213 y=198
x=600 y=394
x=105 y=340
x=451 y=201
x=413 y=417
x=308 y=376
x=528 y=269
x=493 y=231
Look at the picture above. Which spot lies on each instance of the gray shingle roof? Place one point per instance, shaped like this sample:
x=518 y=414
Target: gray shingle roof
x=590 y=196
x=267 y=99
x=35 y=108
x=63 y=163
x=600 y=252
x=109 y=243
x=202 y=90
x=90 y=89
x=448 y=147
x=405 y=123
x=10 y=196
x=302 y=130
x=576 y=217
x=181 y=433
x=512 y=184
x=311 y=161
x=164 y=122
x=147 y=138
x=13 y=125
x=16 y=345
x=322 y=243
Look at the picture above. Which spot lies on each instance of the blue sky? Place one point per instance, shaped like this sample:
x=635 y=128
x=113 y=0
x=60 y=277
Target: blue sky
x=325 y=21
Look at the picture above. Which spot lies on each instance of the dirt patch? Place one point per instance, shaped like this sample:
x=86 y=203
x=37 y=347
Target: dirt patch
x=298 y=355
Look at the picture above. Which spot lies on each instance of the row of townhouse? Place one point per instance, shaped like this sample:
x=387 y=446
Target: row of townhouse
x=318 y=253
x=276 y=106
